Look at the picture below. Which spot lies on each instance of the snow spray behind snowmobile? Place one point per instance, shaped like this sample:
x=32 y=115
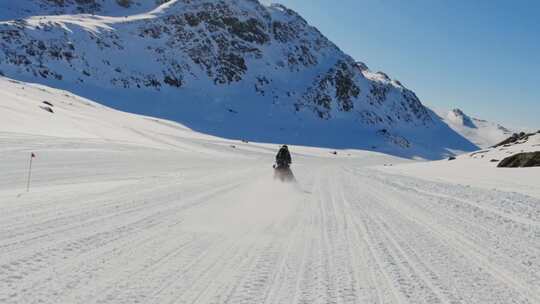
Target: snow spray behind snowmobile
x=283 y=173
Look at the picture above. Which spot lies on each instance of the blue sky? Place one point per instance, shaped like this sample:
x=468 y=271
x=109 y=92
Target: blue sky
x=482 y=56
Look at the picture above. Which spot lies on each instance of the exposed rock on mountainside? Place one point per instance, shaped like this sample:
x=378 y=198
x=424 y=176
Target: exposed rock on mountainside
x=521 y=160
x=516 y=138
x=519 y=150
x=192 y=60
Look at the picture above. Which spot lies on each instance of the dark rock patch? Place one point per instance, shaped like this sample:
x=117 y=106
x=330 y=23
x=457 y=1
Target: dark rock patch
x=521 y=160
x=514 y=138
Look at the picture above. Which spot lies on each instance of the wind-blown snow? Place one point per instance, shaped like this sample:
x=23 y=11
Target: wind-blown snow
x=131 y=209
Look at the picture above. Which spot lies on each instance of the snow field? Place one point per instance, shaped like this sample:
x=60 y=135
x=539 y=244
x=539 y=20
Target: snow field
x=185 y=228
x=132 y=209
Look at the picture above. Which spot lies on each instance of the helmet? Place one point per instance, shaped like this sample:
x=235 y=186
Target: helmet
x=285 y=147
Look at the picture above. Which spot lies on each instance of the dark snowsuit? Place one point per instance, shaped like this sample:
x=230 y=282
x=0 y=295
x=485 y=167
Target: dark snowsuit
x=283 y=158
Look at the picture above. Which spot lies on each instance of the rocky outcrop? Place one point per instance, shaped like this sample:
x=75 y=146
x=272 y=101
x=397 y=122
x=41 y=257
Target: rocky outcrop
x=521 y=160
x=521 y=137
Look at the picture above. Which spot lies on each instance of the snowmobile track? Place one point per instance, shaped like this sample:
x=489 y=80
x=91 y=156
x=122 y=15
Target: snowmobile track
x=225 y=232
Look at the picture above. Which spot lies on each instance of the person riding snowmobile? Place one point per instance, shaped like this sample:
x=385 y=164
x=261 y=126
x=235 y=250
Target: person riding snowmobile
x=283 y=158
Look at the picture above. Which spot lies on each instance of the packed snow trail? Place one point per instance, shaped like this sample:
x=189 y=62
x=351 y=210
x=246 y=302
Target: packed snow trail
x=119 y=223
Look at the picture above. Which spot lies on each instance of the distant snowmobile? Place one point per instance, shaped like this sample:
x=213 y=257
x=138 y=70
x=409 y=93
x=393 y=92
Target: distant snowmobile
x=282 y=168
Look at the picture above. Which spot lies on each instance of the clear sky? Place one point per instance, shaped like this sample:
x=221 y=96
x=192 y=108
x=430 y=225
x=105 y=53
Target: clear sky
x=482 y=56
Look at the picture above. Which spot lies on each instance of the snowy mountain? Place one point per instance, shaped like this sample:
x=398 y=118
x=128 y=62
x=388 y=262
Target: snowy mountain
x=103 y=206
x=480 y=132
x=236 y=69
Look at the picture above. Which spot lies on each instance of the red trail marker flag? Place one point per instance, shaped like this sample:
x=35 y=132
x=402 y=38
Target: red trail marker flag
x=32 y=156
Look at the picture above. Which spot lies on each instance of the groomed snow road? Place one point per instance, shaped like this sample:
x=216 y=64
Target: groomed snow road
x=205 y=223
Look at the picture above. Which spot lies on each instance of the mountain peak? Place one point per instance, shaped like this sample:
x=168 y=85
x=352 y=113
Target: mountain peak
x=481 y=132
x=458 y=112
x=458 y=117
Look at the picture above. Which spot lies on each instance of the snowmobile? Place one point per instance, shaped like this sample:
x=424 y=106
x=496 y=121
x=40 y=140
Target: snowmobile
x=283 y=172
x=282 y=168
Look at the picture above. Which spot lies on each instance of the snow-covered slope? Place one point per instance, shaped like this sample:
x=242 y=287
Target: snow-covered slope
x=125 y=209
x=236 y=69
x=37 y=110
x=21 y=9
x=479 y=169
x=528 y=143
x=24 y=109
x=480 y=132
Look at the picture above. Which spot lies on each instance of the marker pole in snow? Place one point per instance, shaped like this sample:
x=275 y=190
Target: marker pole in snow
x=32 y=156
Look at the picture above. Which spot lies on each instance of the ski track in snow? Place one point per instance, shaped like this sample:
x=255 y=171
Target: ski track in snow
x=200 y=231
